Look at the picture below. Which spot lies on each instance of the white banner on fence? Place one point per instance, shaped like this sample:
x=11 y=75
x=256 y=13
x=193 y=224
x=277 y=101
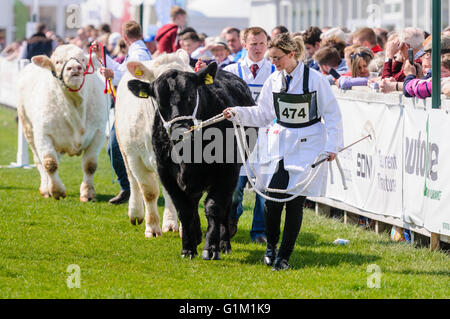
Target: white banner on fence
x=436 y=193
x=416 y=146
x=9 y=73
x=426 y=198
x=373 y=168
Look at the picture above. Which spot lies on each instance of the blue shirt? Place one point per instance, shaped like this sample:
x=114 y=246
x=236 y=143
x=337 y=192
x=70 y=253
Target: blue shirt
x=314 y=65
x=137 y=52
x=239 y=55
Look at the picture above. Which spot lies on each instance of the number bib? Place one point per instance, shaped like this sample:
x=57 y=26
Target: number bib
x=294 y=113
x=296 y=110
x=256 y=90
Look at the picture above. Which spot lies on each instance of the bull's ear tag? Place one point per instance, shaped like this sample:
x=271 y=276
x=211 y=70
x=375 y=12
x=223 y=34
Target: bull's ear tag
x=143 y=94
x=138 y=72
x=209 y=79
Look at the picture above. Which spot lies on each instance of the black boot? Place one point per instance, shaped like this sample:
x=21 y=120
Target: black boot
x=271 y=254
x=280 y=264
x=121 y=198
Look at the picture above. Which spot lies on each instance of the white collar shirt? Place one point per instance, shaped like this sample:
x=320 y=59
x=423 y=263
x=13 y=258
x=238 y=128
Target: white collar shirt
x=265 y=70
x=137 y=52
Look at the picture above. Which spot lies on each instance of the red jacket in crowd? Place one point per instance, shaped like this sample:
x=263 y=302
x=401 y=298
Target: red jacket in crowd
x=167 y=38
x=376 y=49
x=394 y=69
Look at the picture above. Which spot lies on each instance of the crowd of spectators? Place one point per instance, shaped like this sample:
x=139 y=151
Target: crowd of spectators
x=369 y=57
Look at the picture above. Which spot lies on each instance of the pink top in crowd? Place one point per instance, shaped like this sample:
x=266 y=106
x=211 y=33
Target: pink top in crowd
x=419 y=88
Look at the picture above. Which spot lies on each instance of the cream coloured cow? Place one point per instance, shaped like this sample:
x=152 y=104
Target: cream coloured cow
x=57 y=121
x=134 y=122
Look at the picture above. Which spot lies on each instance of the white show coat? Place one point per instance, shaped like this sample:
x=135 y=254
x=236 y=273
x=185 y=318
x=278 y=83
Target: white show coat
x=242 y=69
x=137 y=52
x=298 y=147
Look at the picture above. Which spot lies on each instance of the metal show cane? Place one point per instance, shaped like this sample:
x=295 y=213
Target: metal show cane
x=341 y=150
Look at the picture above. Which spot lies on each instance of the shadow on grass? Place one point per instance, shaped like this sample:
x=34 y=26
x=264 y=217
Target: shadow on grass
x=307 y=255
x=99 y=198
x=305 y=239
x=15 y=188
x=103 y=198
x=305 y=258
x=309 y=258
x=409 y=272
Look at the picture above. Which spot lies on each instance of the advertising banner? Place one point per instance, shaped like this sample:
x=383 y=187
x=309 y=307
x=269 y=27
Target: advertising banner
x=436 y=191
x=416 y=148
x=373 y=167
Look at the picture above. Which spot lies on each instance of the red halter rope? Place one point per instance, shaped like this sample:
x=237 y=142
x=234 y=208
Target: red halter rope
x=90 y=70
x=109 y=88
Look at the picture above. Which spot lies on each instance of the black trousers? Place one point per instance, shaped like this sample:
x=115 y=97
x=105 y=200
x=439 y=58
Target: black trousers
x=272 y=215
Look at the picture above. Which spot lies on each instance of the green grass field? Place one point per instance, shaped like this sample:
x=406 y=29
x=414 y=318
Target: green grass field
x=40 y=238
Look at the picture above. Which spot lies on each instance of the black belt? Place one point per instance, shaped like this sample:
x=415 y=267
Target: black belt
x=291 y=125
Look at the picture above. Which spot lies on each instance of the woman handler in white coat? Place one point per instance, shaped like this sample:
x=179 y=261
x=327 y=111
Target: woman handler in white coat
x=308 y=124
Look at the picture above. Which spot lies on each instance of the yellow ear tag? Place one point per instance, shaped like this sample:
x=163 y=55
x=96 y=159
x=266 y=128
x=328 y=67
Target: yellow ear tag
x=209 y=79
x=143 y=94
x=138 y=72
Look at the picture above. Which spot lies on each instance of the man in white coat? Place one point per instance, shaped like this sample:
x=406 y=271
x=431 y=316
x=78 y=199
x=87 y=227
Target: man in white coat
x=254 y=69
x=137 y=52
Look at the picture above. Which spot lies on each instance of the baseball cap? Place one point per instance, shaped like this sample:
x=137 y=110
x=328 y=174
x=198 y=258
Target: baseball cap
x=220 y=42
x=150 y=38
x=445 y=44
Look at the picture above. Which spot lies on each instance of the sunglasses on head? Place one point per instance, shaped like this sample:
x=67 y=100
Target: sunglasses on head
x=360 y=54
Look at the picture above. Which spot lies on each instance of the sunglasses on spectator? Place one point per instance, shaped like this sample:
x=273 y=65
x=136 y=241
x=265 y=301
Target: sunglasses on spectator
x=361 y=55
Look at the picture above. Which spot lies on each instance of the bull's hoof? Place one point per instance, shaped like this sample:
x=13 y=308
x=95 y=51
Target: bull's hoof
x=45 y=194
x=59 y=196
x=210 y=255
x=152 y=234
x=188 y=254
x=225 y=247
x=136 y=221
x=85 y=199
x=167 y=227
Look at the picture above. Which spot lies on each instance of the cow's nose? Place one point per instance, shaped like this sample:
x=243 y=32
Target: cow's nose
x=74 y=67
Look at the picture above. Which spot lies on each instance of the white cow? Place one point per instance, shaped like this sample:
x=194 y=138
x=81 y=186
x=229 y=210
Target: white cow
x=57 y=121
x=134 y=122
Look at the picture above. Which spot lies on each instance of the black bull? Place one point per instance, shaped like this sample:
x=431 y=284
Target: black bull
x=176 y=95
